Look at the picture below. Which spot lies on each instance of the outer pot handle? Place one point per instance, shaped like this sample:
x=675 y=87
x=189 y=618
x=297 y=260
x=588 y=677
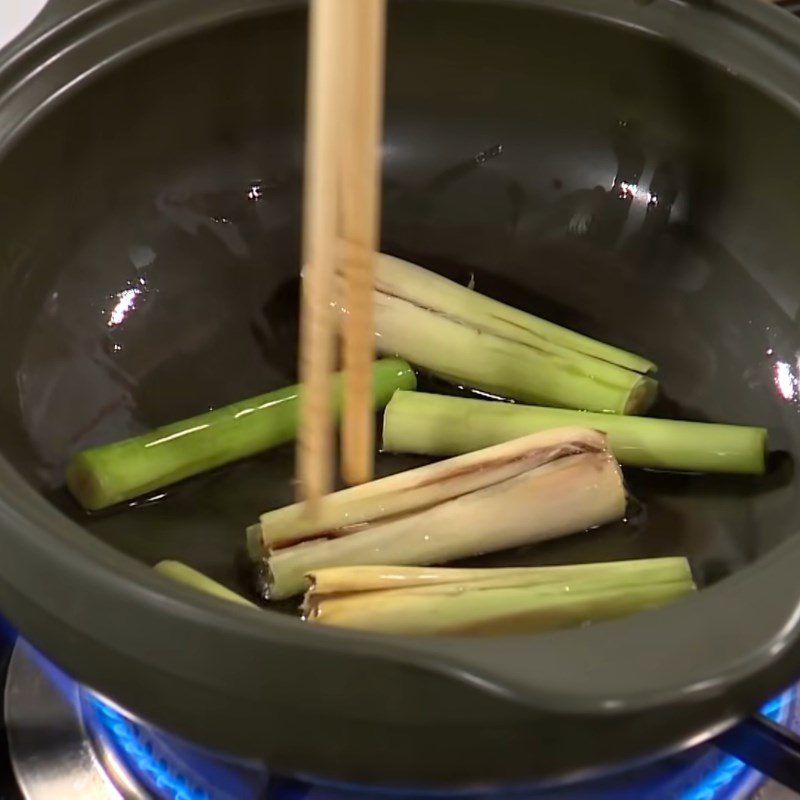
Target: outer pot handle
x=674 y=676
x=740 y=637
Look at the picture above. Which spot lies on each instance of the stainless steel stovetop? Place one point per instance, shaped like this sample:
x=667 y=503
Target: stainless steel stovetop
x=67 y=744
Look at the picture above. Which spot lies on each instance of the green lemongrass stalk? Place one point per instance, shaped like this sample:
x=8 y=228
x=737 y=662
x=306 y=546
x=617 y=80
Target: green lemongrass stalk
x=467 y=338
x=191 y=577
x=443 y=426
x=553 y=490
x=102 y=476
x=498 y=601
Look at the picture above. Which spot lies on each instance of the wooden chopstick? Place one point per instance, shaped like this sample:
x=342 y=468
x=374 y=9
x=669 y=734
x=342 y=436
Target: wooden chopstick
x=360 y=225
x=342 y=200
x=317 y=343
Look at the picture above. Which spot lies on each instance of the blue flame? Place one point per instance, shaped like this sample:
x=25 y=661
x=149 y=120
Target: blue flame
x=726 y=776
x=170 y=784
x=723 y=781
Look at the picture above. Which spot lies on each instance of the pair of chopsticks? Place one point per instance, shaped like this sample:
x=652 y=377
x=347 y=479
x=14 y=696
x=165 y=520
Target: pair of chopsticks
x=340 y=236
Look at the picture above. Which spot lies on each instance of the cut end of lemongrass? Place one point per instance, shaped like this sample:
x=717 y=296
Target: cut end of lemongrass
x=253 y=543
x=439 y=602
x=642 y=396
x=758 y=463
x=196 y=580
x=539 y=487
x=85 y=482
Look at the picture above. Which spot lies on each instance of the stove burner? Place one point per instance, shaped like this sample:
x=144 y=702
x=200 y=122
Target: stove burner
x=67 y=744
x=167 y=768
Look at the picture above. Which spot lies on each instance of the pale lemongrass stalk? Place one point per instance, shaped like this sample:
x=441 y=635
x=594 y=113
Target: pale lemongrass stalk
x=576 y=491
x=465 y=355
x=346 y=580
x=191 y=577
x=437 y=425
x=422 y=487
x=498 y=601
x=490 y=346
x=400 y=278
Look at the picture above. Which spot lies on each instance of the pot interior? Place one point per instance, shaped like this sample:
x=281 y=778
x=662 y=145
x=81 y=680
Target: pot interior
x=150 y=228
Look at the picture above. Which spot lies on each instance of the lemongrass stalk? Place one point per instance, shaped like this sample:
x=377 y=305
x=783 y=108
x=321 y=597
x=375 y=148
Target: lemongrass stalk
x=191 y=577
x=102 y=476
x=443 y=426
x=497 y=611
x=578 y=489
x=498 y=601
x=405 y=492
x=347 y=580
x=467 y=338
x=462 y=354
x=399 y=278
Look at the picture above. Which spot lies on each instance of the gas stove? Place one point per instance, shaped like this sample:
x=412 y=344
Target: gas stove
x=61 y=742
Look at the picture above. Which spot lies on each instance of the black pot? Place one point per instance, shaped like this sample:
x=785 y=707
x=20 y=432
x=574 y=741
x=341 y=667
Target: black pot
x=631 y=169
